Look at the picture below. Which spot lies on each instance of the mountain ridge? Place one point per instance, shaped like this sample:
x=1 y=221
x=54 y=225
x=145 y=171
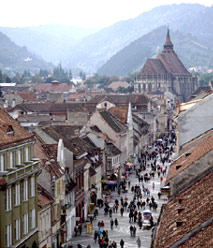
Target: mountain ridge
x=17 y=59
x=130 y=59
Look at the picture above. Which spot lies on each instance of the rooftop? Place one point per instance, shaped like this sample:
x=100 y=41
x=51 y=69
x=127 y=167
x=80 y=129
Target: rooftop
x=10 y=130
x=192 y=155
x=187 y=215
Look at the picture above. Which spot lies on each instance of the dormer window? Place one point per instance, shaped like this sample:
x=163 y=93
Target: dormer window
x=179 y=223
x=105 y=105
x=180 y=210
x=178 y=167
x=10 y=129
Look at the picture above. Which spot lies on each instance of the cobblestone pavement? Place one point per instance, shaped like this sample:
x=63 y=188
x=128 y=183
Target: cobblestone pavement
x=122 y=231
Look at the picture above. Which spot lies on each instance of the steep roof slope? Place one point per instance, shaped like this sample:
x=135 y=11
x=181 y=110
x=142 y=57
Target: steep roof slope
x=186 y=215
x=10 y=130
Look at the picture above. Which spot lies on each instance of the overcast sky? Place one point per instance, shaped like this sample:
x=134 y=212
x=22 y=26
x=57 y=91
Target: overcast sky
x=81 y=13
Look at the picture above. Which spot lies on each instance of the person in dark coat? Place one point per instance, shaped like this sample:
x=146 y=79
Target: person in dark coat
x=122 y=243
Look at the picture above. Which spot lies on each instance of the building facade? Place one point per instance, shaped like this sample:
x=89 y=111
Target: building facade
x=18 y=185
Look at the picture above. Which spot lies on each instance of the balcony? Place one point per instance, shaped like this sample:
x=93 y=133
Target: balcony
x=22 y=170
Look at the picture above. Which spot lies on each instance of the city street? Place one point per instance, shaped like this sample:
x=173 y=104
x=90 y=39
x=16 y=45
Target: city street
x=123 y=231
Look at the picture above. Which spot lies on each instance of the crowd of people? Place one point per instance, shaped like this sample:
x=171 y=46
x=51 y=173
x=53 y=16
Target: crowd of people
x=151 y=164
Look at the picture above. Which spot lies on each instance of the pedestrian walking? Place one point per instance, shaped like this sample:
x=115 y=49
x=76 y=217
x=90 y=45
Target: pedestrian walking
x=111 y=224
x=79 y=246
x=161 y=180
x=114 y=244
x=122 y=211
x=134 y=231
x=131 y=231
x=138 y=242
x=80 y=228
x=116 y=222
x=76 y=231
x=122 y=243
x=95 y=236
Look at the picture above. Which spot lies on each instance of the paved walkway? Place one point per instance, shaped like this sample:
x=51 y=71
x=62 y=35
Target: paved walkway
x=122 y=231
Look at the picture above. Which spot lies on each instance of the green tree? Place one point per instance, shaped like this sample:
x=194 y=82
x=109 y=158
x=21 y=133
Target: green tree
x=205 y=78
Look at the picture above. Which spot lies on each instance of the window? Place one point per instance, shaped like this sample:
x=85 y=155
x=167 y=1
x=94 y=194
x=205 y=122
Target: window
x=26 y=153
x=11 y=159
x=32 y=186
x=25 y=224
x=8 y=235
x=19 y=157
x=2 y=162
x=32 y=219
x=17 y=195
x=8 y=199
x=47 y=221
x=25 y=190
x=17 y=229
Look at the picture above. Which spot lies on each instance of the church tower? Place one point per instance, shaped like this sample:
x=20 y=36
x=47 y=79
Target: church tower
x=166 y=73
x=168 y=45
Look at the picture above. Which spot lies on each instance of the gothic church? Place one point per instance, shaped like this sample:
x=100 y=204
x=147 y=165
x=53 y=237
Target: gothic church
x=166 y=73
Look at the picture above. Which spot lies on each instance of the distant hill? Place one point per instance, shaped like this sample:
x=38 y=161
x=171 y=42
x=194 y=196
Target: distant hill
x=91 y=49
x=51 y=42
x=132 y=57
x=18 y=59
x=95 y=50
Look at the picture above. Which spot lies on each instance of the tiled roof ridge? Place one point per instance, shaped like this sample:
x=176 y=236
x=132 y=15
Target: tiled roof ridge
x=104 y=114
x=195 y=180
x=43 y=190
x=206 y=147
x=195 y=230
x=118 y=120
x=197 y=138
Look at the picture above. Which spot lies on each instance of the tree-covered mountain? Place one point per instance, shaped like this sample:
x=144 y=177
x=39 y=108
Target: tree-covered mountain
x=95 y=50
x=51 y=42
x=17 y=59
x=132 y=57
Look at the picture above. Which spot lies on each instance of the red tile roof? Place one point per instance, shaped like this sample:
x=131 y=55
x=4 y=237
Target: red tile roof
x=120 y=112
x=135 y=99
x=185 y=214
x=54 y=87
x=190 y=157
x=27 y=96
x=48 y=157
x=7 y=136
x=153 y=67
x=44 y=198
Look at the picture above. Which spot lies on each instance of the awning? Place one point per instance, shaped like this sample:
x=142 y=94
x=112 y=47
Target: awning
x=129 y=164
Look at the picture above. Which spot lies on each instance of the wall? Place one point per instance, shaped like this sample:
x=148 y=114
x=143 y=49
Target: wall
x=195 y=121
x=190 y=173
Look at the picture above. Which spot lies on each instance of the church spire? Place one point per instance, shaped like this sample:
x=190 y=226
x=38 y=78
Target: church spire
x=168 y=44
